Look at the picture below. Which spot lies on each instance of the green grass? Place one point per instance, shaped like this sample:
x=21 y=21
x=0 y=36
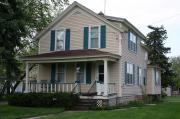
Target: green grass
x=165 y=110
x=12 y=112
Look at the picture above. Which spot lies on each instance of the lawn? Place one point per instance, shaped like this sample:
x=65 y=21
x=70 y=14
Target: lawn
x=11 y=112
x=167 y=110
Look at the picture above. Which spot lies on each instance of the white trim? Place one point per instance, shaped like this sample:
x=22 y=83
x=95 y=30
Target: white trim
x=64 y=40
x=84 y=63
x=99 y=36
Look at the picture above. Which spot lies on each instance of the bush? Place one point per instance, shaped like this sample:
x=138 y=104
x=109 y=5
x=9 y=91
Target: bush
x=136 y=103
x=66 y=100
x=163 y=94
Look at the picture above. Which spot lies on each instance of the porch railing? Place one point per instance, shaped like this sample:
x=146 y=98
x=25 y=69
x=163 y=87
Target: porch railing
x=50 y=87
x=94 y=88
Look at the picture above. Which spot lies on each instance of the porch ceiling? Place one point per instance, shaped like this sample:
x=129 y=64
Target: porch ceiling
x=71 y=56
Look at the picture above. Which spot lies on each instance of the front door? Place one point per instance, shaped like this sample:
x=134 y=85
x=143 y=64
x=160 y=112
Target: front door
x=100 y=73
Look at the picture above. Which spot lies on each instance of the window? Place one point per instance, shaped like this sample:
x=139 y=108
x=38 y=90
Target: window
x=80 y=72
x=146 y=56
x=157 y=77
x=139 y=75
x=60 y=74
x=130 y=73
x=94 y=40
x=145 y=77
x=101 y=73
x=132 y=43
x=60 y=39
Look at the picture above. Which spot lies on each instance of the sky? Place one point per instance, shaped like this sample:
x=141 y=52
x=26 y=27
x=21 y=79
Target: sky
x=142 y=13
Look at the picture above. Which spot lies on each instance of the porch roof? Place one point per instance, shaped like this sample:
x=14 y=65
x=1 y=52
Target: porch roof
x=71 y=56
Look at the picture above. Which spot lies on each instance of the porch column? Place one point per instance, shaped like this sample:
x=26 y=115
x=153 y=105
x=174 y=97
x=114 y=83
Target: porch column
x=105 y=78
x=27 y=76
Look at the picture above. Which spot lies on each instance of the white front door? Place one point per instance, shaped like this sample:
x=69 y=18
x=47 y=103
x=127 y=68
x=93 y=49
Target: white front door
x=100 y=78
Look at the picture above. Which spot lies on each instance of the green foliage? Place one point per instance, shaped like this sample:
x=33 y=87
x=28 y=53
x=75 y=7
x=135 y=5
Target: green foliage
x=157 y=55
x=20 y=20
x=66 y=100
x=163 y=94
x=176 y=68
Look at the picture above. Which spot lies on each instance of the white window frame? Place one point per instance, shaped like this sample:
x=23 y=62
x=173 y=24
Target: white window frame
x=129 y=70
x=132 y=42
x=146 y=56
x=84 y=63
x=140 y=76
x=99 y=37
x=59 y=72
x=56 y=31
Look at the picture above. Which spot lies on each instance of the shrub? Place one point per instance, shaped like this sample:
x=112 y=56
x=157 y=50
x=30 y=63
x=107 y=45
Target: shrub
x=163 y=94
x=66 y=100
x=136 y=103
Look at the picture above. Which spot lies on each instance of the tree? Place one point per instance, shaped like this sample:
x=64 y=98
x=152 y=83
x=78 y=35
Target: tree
x=20 y=20
x=157 y=55
x=176 y=68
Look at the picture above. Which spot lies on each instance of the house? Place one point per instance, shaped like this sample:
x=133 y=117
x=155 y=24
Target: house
x=102 y=58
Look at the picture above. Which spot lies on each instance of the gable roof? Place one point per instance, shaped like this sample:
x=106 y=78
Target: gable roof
x=127 y=23
x=104 y=18
x=67 y=10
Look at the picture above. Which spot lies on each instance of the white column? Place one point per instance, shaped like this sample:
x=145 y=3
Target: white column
x=27 y=76
x=105 y=78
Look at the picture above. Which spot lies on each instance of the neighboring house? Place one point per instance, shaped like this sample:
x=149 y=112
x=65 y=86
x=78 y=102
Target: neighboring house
x=101 y=57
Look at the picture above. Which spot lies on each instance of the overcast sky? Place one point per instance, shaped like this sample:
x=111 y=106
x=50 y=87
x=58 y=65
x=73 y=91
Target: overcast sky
x=142 y=13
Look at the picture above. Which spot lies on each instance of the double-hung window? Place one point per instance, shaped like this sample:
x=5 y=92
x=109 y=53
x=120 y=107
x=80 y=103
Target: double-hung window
x=132 y=44
x=60 y=39
x=80 y=72
x=139 y=76
x=94 y=39
x=157 y=77
x=129 y=74
x=60 y=75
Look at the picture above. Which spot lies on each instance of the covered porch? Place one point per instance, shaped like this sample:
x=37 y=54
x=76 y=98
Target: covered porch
x=86 y=72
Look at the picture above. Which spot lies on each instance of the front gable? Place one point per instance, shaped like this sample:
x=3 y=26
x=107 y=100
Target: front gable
x=75 y=20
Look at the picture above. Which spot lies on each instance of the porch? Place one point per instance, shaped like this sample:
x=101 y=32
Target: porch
x=88 y=73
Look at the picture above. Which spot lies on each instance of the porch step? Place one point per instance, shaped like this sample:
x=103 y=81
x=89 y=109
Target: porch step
x=84 y=104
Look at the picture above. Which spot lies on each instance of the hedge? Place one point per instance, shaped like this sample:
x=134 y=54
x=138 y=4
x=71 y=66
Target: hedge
x=66 y=100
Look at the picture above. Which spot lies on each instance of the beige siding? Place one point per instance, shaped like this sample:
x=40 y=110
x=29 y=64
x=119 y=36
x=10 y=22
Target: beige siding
x=76 y=22
x=70 y=73
x=151 y=87
x=44 y=72
x=114 y=75
x=135 y=58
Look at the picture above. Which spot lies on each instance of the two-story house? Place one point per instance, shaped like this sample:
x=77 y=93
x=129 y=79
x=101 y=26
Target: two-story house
x=100 y=57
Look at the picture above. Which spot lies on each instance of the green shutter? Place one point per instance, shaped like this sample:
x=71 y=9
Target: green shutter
x=155 y=76
x=103 y=36
x=136 y=44
x=129 y=43
x=52 y=43
x=134 y=73
x=125 y=72
x=86 y=37
x=53 y=73
x=88 y=73
x=67 y=42
x=137 y=75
